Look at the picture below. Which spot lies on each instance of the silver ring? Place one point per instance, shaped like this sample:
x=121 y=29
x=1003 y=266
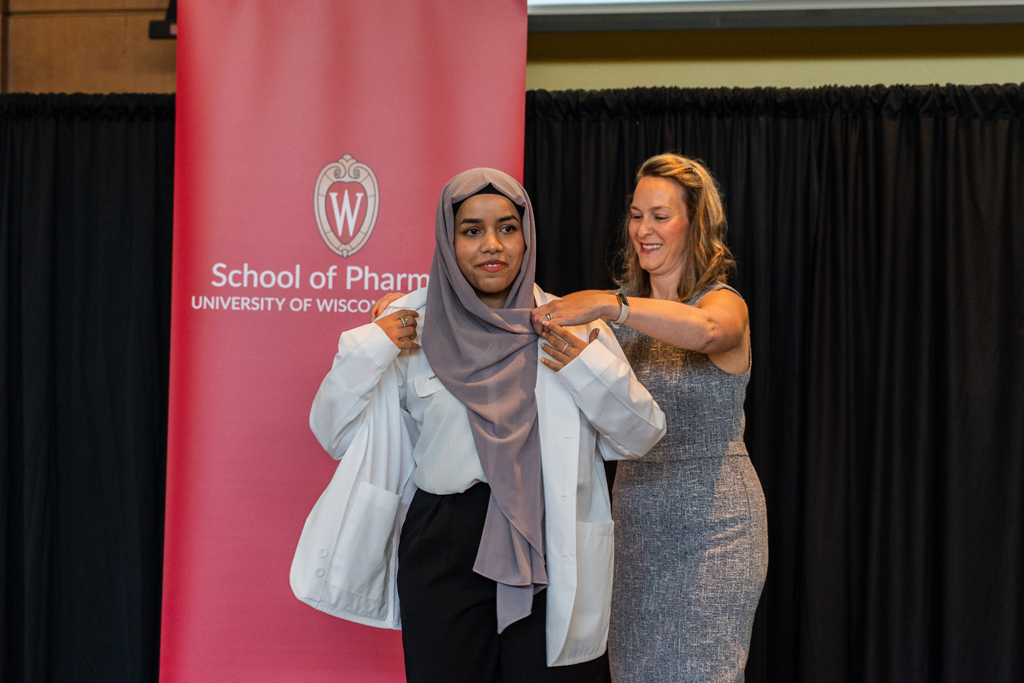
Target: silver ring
x=566 y=348
x=548 y=316
x=403 y=343
x=405 y=323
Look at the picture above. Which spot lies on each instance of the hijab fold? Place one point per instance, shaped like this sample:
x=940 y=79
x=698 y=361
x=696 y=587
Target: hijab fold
x=488 y=360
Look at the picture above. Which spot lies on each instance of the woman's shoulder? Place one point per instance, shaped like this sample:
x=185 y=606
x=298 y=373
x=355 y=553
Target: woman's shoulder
x=713 y=287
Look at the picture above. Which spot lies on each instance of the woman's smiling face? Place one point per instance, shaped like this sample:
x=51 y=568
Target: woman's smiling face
x=659 y=226
x=489 y=246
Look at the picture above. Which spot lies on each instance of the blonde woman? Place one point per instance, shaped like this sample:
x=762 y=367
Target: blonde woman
x=691 y=548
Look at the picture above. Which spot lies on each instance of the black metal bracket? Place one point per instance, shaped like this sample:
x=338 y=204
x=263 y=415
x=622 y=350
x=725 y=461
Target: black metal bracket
x=168 y=28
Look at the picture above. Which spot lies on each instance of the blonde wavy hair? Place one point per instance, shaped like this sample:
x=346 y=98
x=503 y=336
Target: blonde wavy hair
x=707 y=257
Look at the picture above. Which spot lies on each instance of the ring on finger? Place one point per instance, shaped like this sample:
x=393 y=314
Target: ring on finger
x=566 y=347
x=405 y=322
x=403 y=343
x=548 y=316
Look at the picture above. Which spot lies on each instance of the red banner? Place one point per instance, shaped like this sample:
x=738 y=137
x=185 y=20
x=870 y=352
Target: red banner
x=313 y=140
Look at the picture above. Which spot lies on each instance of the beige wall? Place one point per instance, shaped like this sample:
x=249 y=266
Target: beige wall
x=798 y=58
x=92 y=46
x=99 y=46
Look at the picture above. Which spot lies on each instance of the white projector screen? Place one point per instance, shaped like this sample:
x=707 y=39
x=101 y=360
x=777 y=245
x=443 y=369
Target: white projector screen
x=611 y=15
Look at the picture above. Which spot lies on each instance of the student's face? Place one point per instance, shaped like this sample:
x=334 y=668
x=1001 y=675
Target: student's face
x=489 y=246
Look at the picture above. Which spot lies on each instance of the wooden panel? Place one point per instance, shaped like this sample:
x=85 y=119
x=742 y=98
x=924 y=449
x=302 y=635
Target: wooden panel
x=782 y=43
x=3 y=46
x=796 y=58
x=767 y=72
x=20 y=6
x=91 y=53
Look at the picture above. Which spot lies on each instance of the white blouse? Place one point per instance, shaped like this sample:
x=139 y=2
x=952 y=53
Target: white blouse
x=445 y=454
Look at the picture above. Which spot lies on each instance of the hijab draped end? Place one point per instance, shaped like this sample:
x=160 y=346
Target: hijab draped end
x=514 y=603
x=500 y=543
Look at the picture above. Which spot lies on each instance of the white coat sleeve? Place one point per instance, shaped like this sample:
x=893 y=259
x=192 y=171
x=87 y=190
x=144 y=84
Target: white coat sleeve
x=625 y=415
x=363 y=355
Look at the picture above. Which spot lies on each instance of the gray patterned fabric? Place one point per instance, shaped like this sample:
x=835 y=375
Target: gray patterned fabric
x=691 y=540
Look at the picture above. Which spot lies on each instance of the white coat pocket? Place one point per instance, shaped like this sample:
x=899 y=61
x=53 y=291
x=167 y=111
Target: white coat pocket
x=366 y=536
x=425 y=386
x=592 y=608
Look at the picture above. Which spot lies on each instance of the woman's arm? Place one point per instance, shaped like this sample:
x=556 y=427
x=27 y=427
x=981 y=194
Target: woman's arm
x=577 y=308
x=364 y=353
x=717 y=326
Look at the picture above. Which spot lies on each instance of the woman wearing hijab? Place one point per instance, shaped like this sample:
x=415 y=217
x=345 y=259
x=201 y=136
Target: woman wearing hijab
x=505 y=554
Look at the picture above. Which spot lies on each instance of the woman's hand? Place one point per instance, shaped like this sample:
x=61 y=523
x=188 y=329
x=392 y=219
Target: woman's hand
x=578 y=308
x=562 y=345
x=383 y=303
x=400 y=327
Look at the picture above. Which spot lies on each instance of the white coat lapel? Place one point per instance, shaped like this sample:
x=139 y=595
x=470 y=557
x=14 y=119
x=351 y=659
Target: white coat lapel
x=559 y=424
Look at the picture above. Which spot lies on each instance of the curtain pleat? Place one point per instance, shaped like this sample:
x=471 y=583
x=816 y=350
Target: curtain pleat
x=878 y=234
x=85 y=254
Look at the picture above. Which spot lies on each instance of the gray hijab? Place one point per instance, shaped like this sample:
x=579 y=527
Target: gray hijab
x=488 y=360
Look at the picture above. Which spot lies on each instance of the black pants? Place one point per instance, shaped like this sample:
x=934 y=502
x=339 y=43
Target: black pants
x=449 y=616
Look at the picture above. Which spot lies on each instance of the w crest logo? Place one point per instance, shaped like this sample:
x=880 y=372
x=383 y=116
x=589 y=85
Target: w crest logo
x=346 y=203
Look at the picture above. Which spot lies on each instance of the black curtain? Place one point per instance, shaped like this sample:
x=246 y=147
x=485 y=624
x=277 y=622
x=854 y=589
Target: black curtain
x=85 y=254
x=880 y=246
x=879 y=235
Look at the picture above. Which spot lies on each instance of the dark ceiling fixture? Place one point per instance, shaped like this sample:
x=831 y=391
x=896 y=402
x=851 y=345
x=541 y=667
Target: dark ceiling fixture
x=168 y=28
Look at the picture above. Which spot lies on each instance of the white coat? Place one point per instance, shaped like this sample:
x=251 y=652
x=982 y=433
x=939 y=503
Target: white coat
x=346 y=560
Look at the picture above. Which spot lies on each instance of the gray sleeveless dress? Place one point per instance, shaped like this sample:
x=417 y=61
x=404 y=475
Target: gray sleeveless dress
x=691 y=541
